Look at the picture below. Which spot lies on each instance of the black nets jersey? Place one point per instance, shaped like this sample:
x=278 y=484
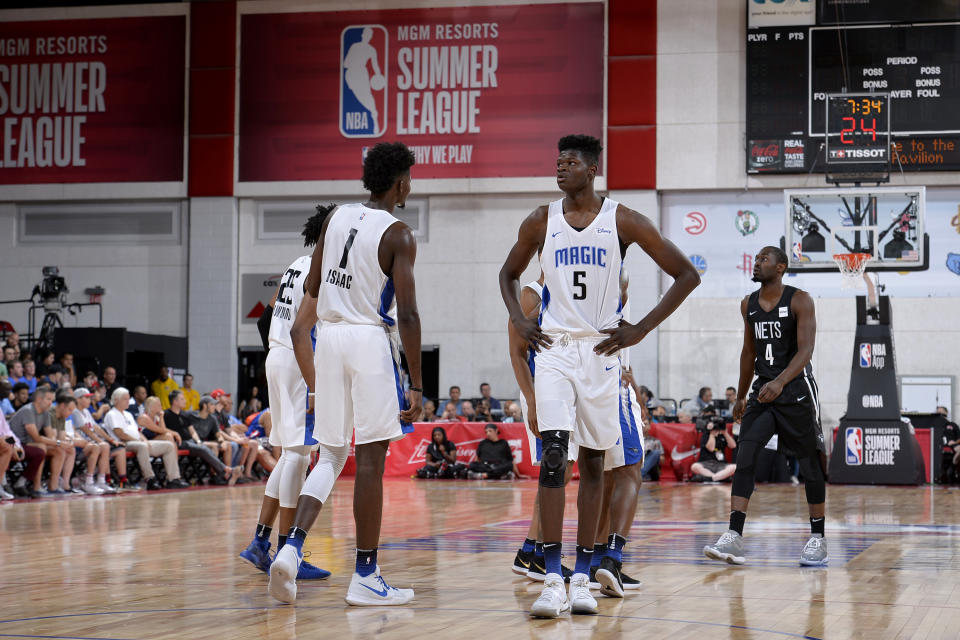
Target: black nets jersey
x=774 y=335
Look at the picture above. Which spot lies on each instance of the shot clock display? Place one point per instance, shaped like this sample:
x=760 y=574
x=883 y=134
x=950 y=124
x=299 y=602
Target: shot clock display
x=858 y=128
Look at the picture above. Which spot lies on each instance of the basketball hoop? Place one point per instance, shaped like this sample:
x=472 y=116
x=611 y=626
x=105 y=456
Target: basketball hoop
x=851 y=266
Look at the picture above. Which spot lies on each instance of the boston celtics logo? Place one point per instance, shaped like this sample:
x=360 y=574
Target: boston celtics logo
x=747 y=222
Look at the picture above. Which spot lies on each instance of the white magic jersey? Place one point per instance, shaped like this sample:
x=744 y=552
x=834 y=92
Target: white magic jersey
x=289 y=297
x=354 y=289
x=581 y=287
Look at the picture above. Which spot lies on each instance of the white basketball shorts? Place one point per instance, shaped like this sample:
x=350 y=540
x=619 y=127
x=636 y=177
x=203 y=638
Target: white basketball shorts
x=288 y=399
x=536 y=445
x=358 y=390
x=578 y=391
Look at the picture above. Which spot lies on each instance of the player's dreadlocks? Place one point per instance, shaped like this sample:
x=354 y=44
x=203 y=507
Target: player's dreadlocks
x=314 y=225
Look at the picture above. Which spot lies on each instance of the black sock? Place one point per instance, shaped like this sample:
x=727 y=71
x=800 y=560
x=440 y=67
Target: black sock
x=816 y=525
x=737 y=518
x=281 y=540
x=263 y=531
x=297 y=534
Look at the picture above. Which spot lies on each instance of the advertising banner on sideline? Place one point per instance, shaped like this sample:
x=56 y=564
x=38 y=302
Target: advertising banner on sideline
x=98 y=100
x=476 y=92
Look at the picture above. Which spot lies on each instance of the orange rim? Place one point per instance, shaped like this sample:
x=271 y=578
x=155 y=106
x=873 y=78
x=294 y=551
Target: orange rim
x=852 y=261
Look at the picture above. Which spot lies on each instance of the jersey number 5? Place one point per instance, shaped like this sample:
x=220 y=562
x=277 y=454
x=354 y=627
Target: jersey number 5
x=581 y=292
x=768 y=354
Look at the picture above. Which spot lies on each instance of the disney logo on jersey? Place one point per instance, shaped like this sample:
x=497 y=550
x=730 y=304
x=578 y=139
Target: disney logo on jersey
x=854 y=445
x=603 y=230
x=363 y=81
x=873 y=355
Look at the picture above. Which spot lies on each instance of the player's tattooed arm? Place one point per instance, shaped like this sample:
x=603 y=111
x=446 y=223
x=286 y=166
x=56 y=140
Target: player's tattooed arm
x=803 y=309
x=636 y=228
x=748 y=358
x=401 y=254
x=529 y=240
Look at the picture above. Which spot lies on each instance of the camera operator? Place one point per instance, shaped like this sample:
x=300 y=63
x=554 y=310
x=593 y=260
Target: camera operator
x=714 y=440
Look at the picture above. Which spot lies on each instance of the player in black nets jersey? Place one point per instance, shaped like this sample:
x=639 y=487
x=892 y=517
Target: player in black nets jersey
x=780 y=327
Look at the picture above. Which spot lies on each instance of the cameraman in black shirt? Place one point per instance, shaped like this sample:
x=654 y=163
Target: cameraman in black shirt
x=712 y=463
x=494 y=458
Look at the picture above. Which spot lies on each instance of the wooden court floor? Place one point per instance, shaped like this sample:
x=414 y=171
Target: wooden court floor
x=164 y=565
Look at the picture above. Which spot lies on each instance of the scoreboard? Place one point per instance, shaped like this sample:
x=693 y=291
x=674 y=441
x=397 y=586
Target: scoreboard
x=805 y=84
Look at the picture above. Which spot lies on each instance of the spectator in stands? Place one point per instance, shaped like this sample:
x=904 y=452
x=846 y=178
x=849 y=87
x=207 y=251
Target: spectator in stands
x=137 y=401
x=5 y=370
x=54 y=376
x=163 y=385
x=483 y=411
x=30 y=375
x=152 y=424
x=9 y=355
x=109 y=446
x=69 y=372
x=250 y=405
x=98 y=403
x=13 y=341
x=30 y=424
x=264 y=449
x=191 y=395
x=178 y=422
x=467 y=412
x=10 y=449
x=89 y=380
x=6 y=395
x=124 y=427
x=247 y=450
x=45 y=360
x=61 y=428
x=507 y=405
x=514 y=413
x=485 y=392
x=441 y=457
x=704 y=398
x=110 y=379
x=21 y=395
x=494 y=458
x=15 y=372
x=429 y=411
x=206 y=424
x=455 y=398
x=449 y=413
x=659 y=413
x=712 y=463
x=652 y=453
x=683 y=417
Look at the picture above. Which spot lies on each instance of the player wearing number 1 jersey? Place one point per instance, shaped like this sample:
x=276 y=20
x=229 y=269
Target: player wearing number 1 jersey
x=582 y=238
x=362 y=263
x=779 y=330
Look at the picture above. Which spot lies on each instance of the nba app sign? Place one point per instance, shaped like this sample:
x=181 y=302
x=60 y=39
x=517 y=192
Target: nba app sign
x=363 y=83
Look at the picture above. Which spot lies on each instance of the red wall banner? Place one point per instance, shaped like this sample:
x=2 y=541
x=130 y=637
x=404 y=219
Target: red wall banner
x=97 y=100
x=475 y=92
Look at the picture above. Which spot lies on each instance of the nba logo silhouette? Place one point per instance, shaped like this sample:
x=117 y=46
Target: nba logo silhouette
x=854 y=439
x=363 y=81
x=865 y=357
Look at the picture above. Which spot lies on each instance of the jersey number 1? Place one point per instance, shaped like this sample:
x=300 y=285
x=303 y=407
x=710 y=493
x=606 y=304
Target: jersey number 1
x=768 y=355
x=346 y=248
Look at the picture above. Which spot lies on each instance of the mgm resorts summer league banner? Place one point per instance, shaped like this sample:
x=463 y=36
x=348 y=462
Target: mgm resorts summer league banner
x=475 y=92
x=98 y=100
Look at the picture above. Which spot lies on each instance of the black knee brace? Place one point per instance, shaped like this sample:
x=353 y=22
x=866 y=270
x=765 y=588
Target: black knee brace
x=553 y=462
x=744 y=476
x=813 y=481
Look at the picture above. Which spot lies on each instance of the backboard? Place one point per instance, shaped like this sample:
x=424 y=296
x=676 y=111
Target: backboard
x=885 y=222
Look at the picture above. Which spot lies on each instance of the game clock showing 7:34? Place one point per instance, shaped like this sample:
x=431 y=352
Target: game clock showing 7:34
x=858 y=128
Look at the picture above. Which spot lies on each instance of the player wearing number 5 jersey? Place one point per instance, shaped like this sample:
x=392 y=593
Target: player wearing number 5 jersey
x=779 y=330
x=362 y=263
x=583 y=239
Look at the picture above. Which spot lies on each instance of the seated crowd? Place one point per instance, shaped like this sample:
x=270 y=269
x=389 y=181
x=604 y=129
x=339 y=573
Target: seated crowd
x=58 y=438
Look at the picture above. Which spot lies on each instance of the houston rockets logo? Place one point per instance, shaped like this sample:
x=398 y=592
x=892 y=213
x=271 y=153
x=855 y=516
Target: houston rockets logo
x=363 y=81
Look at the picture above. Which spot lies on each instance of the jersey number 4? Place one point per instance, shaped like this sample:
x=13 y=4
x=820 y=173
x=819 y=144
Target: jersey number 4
x=768 y=354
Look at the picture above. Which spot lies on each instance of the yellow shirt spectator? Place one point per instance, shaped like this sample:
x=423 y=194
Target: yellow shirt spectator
x=193 y=399
x=162 y=386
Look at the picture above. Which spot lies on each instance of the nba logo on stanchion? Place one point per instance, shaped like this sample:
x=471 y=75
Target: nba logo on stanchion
x=866 y=358
x=854 y=440
x=363 y=81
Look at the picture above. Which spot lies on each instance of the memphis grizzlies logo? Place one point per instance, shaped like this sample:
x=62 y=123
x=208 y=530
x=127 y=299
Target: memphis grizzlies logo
x=363 y=81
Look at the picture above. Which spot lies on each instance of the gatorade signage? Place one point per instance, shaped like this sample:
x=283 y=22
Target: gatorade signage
x=473 y=91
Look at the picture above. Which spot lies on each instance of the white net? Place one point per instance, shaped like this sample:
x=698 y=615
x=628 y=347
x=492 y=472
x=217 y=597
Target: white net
x=851 y=266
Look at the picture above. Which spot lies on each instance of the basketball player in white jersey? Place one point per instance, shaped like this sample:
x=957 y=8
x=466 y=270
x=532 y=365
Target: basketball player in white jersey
x=582 y=239
x=292 y=426
x=363 y=260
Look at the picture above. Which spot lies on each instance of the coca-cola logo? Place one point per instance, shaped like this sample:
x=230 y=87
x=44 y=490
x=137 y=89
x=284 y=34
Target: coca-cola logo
x=765 y=153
